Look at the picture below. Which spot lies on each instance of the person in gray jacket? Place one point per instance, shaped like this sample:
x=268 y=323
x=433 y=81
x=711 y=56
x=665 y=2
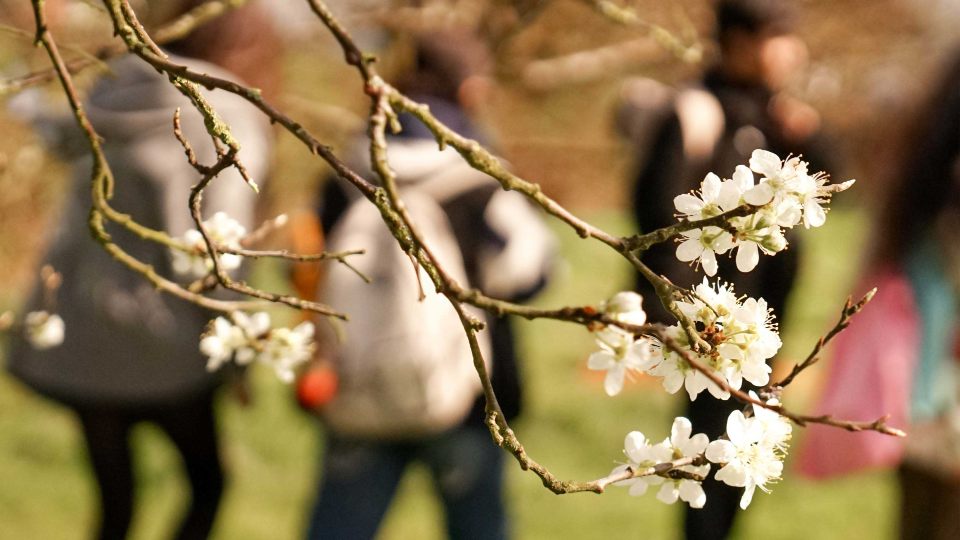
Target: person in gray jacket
x=130 y=354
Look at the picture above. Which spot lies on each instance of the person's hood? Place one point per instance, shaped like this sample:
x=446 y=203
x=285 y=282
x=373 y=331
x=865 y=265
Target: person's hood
x=417 y=160
x=420 y=164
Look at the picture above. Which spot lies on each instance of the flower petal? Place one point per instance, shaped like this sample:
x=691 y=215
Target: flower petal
x=736 y=427
x=613 y=383
x=743 y=177
x=710 y=187
x=747 y=495
x=668 y=493
x=709 y=262
x=601 y=360
x=696 y=445
x=813 y=214
x=673 y=381
x=765 y=163
x=748 y=255
x=695 y=382
x=689 y=250
x=635 y=446
x=759 y=194
x=687 y=204
x=680 y=431
x=730 y=351
x=721 y=451
x=733 y=474
x=729 y=197
x=692 y=492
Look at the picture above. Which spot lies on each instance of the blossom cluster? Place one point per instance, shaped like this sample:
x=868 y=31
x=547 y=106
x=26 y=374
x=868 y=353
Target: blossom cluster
x=250 y=338
x=43 y=330
x=224 y=231
x=740 y=332
x=785 y=196
x=751 y=456
x=620 y=351
x=642 y=455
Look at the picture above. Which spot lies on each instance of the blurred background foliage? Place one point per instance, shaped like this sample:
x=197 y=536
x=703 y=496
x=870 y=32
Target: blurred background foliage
x=869 y=62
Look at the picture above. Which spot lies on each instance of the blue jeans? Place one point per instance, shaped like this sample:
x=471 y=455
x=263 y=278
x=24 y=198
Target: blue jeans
x=360 y=477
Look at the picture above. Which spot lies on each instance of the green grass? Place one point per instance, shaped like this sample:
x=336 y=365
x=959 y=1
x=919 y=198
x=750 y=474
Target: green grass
x=570 y=426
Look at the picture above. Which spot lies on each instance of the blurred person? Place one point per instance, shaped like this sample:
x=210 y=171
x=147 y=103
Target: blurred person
x=917 y=236
x=713 y=126
x=130 y=354
x=506 y=251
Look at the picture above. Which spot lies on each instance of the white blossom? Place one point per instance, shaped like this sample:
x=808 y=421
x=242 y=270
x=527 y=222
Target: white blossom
x=753 y=455
x=250 y=338
x=716 y=197
x=642 y=454
x=44 y=330
x=286 y=348
x=220 y=343
x=777 y=430
x=677 y=373
x=785 y=195
x=776 y=176
x=793 y=190
x=224 y=231
x=619 y=354
x=625 y=307
x=682 y=445
x=703 y=245
x=740 y=332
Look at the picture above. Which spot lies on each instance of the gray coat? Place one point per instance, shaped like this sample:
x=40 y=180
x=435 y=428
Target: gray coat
x=127 y=344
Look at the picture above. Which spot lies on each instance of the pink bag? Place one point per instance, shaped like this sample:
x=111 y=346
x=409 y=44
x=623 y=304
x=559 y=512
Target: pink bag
x=870 y=375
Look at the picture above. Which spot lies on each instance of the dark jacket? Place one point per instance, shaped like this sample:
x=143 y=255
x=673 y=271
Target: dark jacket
x=670 y=171
x=125 y=343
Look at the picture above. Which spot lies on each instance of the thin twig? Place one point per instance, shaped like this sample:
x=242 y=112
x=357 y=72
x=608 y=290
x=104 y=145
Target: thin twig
x=196 y=200
x=642 y=242
x=686 y=52
x=846 y=314
x=878 y=425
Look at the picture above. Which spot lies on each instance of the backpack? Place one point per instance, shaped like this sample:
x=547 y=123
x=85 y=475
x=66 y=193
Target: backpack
x=404 y=364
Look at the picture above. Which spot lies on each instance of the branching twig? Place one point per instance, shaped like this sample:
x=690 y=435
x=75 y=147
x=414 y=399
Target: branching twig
x=101 y=180
x=196 y=199
x=642 y=242
x=846 y=314
x=878 y=425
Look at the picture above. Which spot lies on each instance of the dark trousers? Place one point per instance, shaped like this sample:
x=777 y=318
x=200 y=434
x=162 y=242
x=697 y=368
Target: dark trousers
x=360 y=477
x=713 y=521
x=929 y=503
x=190 y=426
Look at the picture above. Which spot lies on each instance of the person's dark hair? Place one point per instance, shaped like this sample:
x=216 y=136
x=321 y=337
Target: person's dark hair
x=242 y=41
x=441 y=61
x=927 y=180
x=752 y=17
